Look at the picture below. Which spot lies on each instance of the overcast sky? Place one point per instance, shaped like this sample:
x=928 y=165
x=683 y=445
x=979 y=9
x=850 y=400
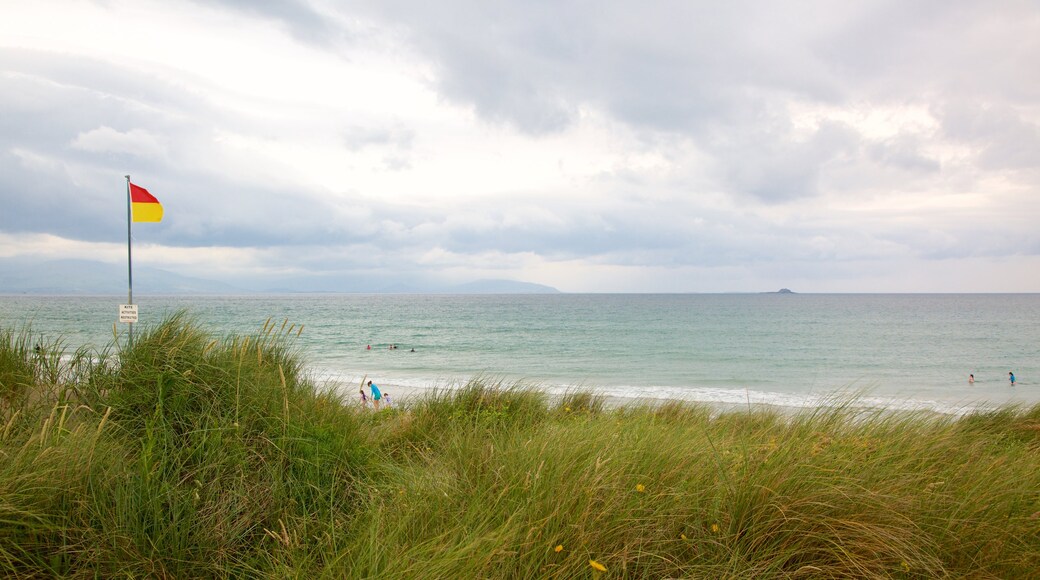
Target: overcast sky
x=607 y=146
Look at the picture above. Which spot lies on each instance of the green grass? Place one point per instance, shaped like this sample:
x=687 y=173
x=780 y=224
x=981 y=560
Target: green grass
x=189 y=455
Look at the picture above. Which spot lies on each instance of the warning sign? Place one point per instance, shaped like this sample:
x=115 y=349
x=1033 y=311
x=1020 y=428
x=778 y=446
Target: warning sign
x=128 y=313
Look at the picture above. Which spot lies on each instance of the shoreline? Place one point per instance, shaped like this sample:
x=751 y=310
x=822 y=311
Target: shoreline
x=408 y=395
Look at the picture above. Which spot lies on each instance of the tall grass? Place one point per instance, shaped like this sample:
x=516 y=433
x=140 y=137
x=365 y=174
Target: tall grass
x=188 y=455
x=210 y=447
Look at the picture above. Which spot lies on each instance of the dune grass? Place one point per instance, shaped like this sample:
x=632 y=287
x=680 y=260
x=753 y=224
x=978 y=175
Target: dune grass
x=189 y=455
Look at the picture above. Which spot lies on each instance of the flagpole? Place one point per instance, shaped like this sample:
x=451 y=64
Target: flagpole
x=129 y=261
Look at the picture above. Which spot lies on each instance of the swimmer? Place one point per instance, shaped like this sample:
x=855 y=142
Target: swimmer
x=971 y=379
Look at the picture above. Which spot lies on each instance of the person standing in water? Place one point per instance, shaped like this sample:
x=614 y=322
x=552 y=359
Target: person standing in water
x=1011 y=377
x=376 y=395
x=971 y=379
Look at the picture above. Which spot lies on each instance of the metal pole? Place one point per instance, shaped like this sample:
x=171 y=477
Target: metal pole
x=129 y=261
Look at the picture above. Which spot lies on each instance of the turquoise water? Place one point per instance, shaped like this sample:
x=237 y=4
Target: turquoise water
x=898 y=351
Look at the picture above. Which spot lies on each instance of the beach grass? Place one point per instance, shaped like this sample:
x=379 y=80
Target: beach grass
x=192 y=455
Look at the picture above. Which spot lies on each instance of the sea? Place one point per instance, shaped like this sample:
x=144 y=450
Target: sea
x=800 y=351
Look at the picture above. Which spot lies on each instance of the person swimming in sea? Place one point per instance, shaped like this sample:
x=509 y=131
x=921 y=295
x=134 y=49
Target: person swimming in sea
x=971 y=379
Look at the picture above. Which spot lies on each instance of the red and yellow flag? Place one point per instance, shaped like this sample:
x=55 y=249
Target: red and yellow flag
x=144 y=206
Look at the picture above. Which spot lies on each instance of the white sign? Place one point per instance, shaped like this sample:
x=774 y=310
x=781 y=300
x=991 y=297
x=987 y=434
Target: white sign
x=127 y=313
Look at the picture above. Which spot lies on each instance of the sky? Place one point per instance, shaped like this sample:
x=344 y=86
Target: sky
x=608 y=146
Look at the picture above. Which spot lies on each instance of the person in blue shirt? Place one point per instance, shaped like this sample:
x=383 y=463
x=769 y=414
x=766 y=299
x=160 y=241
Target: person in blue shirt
x=376 y=395
x=1011 y=377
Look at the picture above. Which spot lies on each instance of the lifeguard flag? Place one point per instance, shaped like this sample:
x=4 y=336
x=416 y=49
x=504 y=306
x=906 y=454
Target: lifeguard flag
x=144 y=206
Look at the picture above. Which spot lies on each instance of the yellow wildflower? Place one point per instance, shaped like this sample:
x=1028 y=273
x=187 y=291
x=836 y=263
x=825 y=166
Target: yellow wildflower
x=683 y=536
x=558 y=548
x=597 y=566
x=640 y=487
x=715 y=528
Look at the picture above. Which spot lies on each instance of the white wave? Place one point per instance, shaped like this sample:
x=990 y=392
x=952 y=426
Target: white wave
x=691 y=394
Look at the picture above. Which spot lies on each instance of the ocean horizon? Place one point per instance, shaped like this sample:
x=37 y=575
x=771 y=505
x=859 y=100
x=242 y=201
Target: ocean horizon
x=894 y=351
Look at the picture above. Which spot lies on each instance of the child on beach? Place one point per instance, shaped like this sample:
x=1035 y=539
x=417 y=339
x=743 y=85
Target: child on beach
x=1011 y=377
x=364 y=399
x=376 y=395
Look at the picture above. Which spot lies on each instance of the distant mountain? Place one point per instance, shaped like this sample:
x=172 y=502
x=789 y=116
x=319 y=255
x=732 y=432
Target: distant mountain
x=89 y=277
x=502 y=287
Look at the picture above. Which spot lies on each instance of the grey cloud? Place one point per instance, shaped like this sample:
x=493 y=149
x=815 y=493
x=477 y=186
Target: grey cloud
x=46 y=184
x=1002 y=139
x=717 y=77
x=397 y=136
x=50 y=182
x=510 y=62
x=52 y=82
x=918 y=51
x=49 y=101
x=719 y=74
x=903 y=152
x=564 y=231
x=709 y=72
x=699 y=69
x=299 y=17
x=674 y=233
x=201 y=211
x=671 y=65
x=52 y=202
x=394 y=140
x=778 y=166
x=682 y=233
x=560 y=231
x=396 y=162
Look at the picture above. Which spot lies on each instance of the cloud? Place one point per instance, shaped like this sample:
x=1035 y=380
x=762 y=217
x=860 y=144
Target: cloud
x=903 y=152
x=137 y=142
x=398 y=139
x=997 y=134
x=398 y=136
x=302 y=20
